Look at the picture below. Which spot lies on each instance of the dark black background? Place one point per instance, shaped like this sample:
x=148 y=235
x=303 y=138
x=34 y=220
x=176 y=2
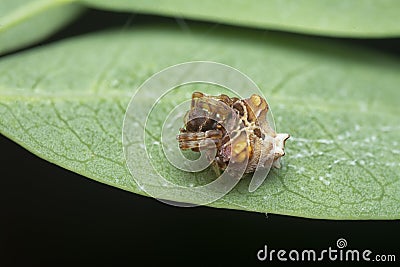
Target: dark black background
x=50 y=216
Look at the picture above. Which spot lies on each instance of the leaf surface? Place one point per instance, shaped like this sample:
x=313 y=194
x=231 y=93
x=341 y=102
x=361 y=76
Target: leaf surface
x=339 y=103
x=357 y=18
x=23 y=22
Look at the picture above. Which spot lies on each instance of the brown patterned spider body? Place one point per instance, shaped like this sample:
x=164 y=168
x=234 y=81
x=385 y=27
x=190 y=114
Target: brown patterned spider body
x=237 y=128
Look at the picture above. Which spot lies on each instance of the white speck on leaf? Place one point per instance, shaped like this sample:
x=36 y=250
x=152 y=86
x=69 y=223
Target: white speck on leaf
x=115 y=83
x=300 y=170
x=353 y=162
x=322 y=179
x=396 y=151
x=369 y=154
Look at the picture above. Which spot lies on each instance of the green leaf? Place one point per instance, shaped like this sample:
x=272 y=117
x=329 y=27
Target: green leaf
x=357 y=18
x=339 y=103
x=23 y=22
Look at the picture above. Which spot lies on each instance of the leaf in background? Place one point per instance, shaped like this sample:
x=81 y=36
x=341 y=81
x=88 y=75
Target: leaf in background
x=342 y=18
x=23 y=22
x=339 y=103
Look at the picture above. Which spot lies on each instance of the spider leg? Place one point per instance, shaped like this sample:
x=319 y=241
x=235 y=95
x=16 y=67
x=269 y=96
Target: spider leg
x=203 y=140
